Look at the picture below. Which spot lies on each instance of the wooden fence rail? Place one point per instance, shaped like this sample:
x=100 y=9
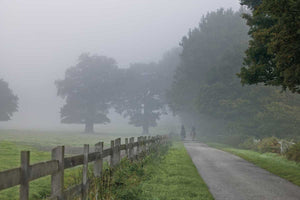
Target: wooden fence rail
x=58 y=163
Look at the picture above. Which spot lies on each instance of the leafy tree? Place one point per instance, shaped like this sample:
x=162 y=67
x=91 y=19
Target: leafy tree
x=273 y=56
x=141 y=97
x=206 y=92
x=8 y=102
x=89 y=88
x=212 y=54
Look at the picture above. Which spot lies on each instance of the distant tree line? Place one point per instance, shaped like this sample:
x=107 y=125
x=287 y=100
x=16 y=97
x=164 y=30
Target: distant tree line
x=207 y=93
x=96 y=85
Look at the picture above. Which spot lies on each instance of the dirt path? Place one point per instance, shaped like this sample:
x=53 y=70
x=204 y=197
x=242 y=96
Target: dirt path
x=232 y=178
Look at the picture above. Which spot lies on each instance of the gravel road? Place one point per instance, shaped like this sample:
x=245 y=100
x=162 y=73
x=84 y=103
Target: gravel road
x=232 y=178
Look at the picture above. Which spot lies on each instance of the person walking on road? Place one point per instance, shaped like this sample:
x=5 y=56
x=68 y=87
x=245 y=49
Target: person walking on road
x=182 y=132
x=193 y=133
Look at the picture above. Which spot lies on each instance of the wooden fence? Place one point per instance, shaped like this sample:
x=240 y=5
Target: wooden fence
x=58 y=163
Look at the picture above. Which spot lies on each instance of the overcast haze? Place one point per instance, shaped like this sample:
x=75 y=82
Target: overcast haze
x=40 y=39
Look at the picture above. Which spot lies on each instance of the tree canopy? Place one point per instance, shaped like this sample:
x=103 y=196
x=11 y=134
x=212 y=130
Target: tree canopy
x=273 y=56
x=8 y=102
x=141 y=99
x=207 y=93
x=89 y=89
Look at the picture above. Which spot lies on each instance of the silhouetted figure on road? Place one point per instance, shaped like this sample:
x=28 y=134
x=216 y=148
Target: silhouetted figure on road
x=182 y=133
x=193 y=133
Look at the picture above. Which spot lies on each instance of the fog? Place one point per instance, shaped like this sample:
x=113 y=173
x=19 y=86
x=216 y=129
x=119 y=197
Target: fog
x=41 y=39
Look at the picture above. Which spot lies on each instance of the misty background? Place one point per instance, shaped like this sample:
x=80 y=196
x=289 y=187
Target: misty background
x=41 y=39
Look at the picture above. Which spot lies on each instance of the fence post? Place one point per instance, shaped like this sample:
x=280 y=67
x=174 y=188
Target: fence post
x=116 y=151
x=57 y=178
x=98 y=165
x=138 y=146
x=126 y=145
x=112 y=145
x=145 y=143
x=131 y=148
x=85 y=169
x=24 y=186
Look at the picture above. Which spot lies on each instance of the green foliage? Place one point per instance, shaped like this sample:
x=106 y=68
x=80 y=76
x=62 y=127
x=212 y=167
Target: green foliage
x=249 y=143
x=206 y=92
x=8 y=102
x=269 y=145
x=142 y=97
x=293 y=152
x=124 y=182
x=273 y=54
x=89 y=87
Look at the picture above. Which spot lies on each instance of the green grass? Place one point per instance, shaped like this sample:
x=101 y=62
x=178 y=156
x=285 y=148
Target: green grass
x=174 y=177
x=10 y=158
x=271 y=162
x=40 y=188
x=40 y=139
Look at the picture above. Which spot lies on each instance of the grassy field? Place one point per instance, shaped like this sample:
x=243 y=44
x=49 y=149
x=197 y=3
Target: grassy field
x=12 y=142
x=272 y=162
x=175 y=177
x=40 y=138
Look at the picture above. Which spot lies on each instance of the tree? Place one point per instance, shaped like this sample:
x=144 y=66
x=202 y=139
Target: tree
x=212 y=54
x=141 y=99
x=8 y=102
x=273 y=56
x=89 y=88
x=207 y=93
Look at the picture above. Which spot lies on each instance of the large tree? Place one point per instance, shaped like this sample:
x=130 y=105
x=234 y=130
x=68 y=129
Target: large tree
x=141 y=97
x=88 y=88
x=8 y=102
x=207 y=93
x=273 y=56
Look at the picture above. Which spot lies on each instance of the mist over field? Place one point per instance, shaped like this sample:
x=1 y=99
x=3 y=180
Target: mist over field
x=41 y=39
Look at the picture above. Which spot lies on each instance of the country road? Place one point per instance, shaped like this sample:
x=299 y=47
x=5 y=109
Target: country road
x=232 y=178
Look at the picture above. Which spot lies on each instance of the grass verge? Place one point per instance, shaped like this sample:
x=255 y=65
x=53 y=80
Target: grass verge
x=271 y=162
x=174 y=177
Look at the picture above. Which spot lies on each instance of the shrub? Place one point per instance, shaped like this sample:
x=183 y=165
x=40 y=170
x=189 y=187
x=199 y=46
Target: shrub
x=293 y=152
x=249 y=143
x=269 y=144
x=233 y=140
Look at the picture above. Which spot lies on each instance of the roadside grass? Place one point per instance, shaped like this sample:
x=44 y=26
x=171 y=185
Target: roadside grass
x=174 y=177
x=271 y=162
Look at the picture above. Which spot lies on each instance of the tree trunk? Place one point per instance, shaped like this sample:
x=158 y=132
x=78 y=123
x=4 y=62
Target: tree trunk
x=145 y=129
x=89 y=127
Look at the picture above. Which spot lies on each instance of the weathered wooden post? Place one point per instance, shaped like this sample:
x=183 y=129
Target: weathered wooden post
x=126 y=147
x=131 y=148
x=138 y=146
x=24 y=185
x=112 y=145
x=57 y=178
x=148 y=143
x=145 y=143
x=85 y=186
x=117 y=152
x=98 y=164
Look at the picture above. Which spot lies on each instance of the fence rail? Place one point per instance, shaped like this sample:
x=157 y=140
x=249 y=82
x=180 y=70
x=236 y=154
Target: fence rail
x=55 y=167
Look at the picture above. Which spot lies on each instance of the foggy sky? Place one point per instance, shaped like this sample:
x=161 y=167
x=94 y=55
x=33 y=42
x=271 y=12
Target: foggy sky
x=40 y=39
